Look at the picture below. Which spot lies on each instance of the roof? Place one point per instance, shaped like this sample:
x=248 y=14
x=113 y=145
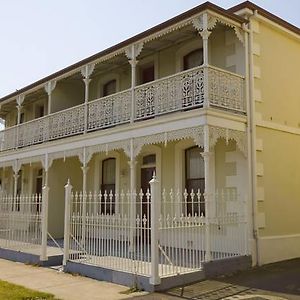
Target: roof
x=157 y=28
x=266 y=14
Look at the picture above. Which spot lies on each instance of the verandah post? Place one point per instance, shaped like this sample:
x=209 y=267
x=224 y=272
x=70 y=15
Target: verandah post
x=45 y=200
x=155 y=212
x=68 y=191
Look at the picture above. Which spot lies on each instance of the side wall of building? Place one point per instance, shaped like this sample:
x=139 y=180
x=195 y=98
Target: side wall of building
x=277 y=106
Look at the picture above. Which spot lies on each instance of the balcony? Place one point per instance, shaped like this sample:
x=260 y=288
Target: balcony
x=194 y=88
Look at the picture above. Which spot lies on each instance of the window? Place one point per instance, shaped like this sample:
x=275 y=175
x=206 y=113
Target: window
x=109 y=88
x=194 y=165
x=108 y=185
x=39 y=111
x=147 y=73
x=193 y=59
x=149 y=159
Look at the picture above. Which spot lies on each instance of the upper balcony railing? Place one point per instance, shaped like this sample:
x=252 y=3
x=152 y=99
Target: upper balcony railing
x=188 y=89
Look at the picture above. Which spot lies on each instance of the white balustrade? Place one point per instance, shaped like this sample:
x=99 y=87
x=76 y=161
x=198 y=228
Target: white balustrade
x=176 y=92
x=226 y=90
x=182 y=91
x=66 y=123
x=109 y=111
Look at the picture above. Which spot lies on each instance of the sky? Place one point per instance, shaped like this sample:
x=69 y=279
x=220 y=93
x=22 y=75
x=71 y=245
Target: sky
x=40 y=37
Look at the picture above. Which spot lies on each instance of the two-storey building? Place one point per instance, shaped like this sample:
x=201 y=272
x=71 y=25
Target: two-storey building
x=207 y=103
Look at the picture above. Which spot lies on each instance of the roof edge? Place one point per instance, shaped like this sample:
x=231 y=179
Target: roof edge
x=266 y=14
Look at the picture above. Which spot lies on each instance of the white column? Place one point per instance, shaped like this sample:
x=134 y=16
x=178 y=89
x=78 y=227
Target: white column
x=132 y=164
x=133 y=63
x=86 y=72
x=19 y=109
x=68 y=191
x=207 y=193
x=3 y=180
x=86 y=99
x=84 y=169
x=16 y=176
x=45 y=201
x=49 y=87
x=205 y=33
x=44 y=221
x=20 y=100
x=155 y=214
x=132 y=53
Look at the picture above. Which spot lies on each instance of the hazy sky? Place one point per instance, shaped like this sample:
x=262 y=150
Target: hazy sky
x=39 y=37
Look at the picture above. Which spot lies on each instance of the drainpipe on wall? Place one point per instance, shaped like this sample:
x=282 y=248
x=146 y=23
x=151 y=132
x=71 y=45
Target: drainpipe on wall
x=252 y=138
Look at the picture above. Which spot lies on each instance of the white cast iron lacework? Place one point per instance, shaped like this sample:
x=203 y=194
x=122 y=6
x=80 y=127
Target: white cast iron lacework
x=67 y=122
x=172 y=93
x=225 y=90
x=182 y=91
x=109 y=111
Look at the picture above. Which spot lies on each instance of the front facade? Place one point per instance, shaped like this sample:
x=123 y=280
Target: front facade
x=196 y=103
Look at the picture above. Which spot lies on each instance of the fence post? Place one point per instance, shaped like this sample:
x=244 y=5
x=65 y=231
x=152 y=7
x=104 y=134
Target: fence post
x=68 y=191
x=155 y=212
x=45 y=199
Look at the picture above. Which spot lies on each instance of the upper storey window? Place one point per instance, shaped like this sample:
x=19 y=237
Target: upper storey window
x=147 y=73
x=193 y=59
x=109 y=88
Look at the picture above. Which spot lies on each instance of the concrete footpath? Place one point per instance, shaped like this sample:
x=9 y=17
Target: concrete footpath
x=63 y=286
x=279 y=281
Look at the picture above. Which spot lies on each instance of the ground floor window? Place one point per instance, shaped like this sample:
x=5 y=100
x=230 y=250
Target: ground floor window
x=108 y=185
x=194 y=170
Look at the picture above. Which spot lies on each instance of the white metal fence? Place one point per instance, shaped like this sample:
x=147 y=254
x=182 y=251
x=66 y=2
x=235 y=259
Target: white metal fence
x=20 y=222
x=151 y=233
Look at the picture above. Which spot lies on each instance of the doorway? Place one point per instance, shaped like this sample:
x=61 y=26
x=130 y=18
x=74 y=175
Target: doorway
x=39 y=188
x=147 y=169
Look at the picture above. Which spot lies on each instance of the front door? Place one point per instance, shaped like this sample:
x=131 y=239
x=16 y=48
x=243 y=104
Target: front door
x=146 y=176
x=39 y=187
x=145 y=209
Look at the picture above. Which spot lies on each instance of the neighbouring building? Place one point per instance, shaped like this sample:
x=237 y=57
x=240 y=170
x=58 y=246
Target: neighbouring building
x=167 y=154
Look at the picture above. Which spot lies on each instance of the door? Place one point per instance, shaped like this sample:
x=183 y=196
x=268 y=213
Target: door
x=39 y=187
x=195 y=180
x=146 y=176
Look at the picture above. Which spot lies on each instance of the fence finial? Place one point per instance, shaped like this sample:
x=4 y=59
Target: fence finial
x=154 y=176
x=68 y=183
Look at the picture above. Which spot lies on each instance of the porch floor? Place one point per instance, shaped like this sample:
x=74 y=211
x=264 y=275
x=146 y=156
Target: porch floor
x=29 y=248
x=133 y=266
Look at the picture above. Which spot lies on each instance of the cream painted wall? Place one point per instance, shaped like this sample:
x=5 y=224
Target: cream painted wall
x=59 y=173
x=281 y=174
x=277 y=102
x=67 y=94
x=277 y=77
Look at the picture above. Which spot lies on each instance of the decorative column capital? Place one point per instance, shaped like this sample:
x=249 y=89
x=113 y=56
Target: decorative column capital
x=133 y=51
x=20 y=100
x=132 y=164
x=50 y=86
x=87 y=70
x=206 y=154
x=133 y=62
x=205 y=34
x=85 y=169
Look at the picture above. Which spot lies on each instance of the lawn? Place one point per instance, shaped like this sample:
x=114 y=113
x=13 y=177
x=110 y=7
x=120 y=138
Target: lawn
x=9 y=291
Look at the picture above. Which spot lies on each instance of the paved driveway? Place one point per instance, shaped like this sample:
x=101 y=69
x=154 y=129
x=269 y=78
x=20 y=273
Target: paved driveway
x=279 y=281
